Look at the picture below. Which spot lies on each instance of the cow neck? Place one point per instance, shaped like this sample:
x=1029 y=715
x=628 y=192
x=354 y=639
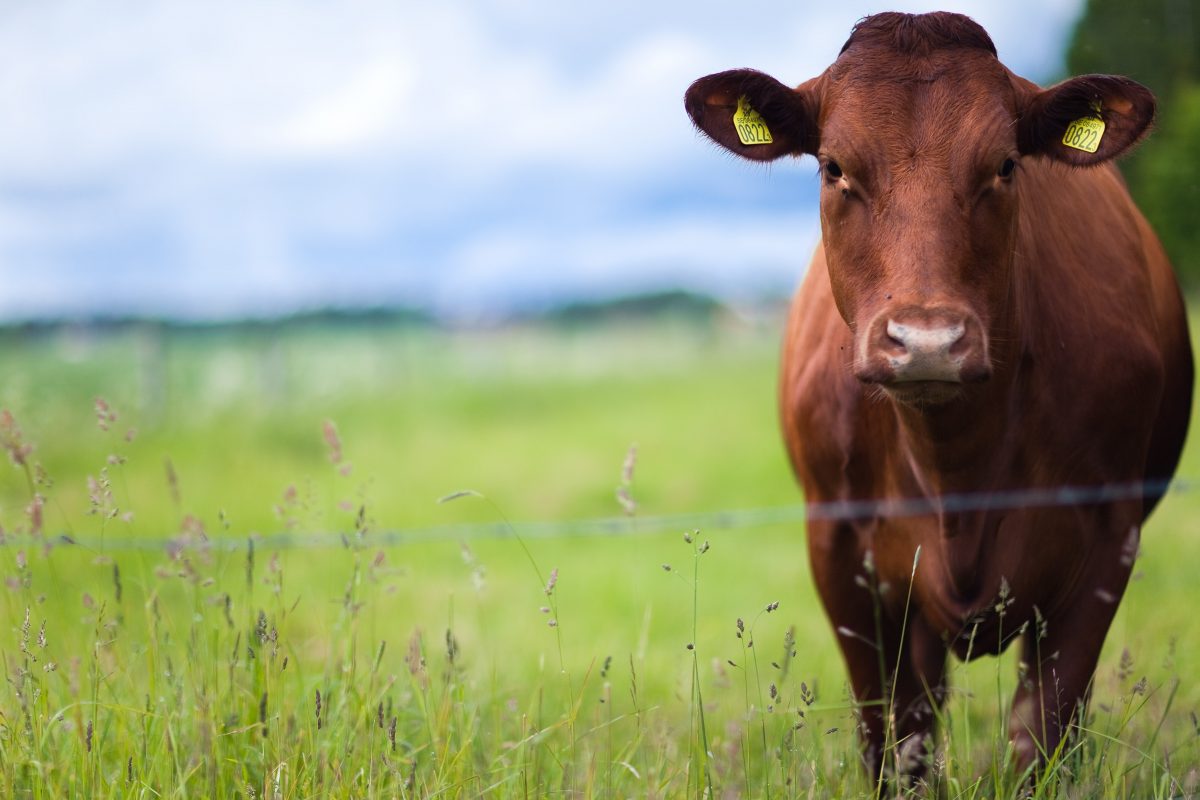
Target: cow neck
x=959 y=449
x=953 y=448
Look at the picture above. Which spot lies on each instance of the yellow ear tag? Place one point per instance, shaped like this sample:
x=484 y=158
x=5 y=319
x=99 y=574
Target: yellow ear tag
x=1085 y=133
x=751 y=128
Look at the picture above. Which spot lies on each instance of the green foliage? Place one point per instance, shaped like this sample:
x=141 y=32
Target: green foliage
x=1156 y=42
x=677 y=303
x=1167 y=180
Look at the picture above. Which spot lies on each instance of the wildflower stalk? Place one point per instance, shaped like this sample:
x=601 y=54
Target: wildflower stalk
x=697 y=706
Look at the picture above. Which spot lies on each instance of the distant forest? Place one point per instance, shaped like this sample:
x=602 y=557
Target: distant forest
x=1157 y=43
x=674 y=303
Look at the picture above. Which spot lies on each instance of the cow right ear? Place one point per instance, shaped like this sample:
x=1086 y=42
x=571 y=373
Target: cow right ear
x=753 y=115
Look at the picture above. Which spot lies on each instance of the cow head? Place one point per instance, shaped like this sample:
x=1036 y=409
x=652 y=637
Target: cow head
x=922 y=136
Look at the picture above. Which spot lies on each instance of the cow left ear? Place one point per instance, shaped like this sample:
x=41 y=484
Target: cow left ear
x=1086 y=120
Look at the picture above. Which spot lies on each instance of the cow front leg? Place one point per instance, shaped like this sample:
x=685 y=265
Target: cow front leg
x=866 y=653
x=1058 y=660
x=917 y=693
x=899 y=685
x=896 y=665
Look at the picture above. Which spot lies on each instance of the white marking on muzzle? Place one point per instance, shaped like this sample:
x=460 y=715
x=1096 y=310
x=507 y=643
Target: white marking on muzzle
x=927 y=352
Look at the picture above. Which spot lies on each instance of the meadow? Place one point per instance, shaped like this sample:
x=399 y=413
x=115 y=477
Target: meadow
x=385 y=561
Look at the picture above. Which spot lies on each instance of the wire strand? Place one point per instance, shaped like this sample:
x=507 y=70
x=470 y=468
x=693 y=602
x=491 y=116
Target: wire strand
x=735 y=519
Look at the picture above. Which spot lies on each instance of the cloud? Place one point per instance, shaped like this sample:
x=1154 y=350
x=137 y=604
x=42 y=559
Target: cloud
x=231 y=156
x=738 y=259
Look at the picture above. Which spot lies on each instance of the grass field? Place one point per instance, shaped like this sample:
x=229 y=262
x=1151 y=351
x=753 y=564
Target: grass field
x=162 y=639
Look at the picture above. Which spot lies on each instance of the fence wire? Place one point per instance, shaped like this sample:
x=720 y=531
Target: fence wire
x=636 y=525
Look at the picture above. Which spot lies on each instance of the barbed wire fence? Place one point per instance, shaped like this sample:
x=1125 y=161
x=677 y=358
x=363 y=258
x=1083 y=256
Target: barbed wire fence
x=632 y=525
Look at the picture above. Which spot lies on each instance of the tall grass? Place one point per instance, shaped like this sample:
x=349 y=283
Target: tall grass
x=214 y=665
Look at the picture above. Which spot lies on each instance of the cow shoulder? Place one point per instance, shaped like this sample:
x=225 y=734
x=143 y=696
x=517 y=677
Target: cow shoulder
x=1091 y=315
x=821 y=402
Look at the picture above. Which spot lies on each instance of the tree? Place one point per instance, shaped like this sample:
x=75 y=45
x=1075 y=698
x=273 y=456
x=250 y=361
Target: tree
x=1168 y=181
x=1156 y=42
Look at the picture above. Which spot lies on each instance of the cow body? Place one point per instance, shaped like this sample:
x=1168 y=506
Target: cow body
x=988 y=317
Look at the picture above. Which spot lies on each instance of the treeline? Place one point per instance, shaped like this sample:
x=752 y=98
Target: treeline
x=314 y=318
x=675 y=303
x=1156 y=42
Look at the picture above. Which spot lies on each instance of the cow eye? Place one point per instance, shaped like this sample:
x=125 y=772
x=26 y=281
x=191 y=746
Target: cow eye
x=833 y=170
x=1006 y=169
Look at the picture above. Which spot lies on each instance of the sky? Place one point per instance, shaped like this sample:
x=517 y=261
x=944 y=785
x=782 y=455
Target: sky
x=468 y=157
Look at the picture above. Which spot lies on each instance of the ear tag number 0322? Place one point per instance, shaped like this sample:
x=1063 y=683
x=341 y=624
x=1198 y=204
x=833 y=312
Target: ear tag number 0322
x=1085 y=133
x=750 y=126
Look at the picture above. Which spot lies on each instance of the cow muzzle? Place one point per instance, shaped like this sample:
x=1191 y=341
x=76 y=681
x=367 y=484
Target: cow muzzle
x=911 y=349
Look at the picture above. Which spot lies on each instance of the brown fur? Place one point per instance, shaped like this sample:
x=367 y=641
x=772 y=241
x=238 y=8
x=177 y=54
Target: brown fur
x=1075 y=331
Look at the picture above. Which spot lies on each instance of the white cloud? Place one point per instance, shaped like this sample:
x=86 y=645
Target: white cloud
x=357 y=114
x=231 y=153
x=732 y=257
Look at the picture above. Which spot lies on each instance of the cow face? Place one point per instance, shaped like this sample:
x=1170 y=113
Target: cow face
x=922 y=141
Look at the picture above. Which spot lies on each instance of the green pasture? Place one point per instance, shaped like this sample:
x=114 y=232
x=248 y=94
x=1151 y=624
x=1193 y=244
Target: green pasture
x=161 y=639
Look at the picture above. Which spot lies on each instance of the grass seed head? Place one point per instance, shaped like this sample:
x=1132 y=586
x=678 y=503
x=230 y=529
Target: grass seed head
x=626 y=501
x=12 y=441
x=1125 y=665
x=629 y=463
x=332 y=441
x=34 y=512
x=172 y=481
x=105 y=415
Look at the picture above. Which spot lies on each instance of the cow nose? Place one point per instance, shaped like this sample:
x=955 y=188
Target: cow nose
x=920 y=344
x=924 y=353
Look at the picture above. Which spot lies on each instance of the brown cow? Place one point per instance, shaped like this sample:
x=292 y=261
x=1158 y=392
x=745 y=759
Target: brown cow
x=987 y=314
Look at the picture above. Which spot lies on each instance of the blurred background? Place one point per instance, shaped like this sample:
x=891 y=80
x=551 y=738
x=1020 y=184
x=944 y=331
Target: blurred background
x=469 y=161
x=465 y=160
x=269 y=214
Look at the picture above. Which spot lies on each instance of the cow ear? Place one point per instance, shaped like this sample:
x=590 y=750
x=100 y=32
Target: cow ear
x=754 y=115
x=1086 y=120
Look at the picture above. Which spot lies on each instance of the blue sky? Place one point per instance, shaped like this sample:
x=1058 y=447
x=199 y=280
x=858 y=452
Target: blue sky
x=226 y=158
